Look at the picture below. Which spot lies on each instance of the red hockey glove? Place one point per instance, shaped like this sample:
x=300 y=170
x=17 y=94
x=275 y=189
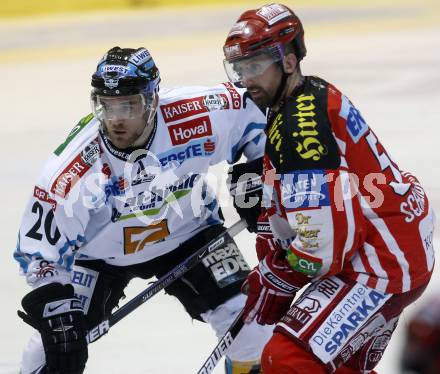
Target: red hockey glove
x=271 y=288
x=265 y=242
x=264 y=246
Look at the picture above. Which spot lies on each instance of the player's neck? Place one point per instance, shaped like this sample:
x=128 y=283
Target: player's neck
x=294 y=81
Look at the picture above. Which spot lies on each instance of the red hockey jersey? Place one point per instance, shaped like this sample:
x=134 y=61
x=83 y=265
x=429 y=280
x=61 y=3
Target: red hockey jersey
x=337 y=200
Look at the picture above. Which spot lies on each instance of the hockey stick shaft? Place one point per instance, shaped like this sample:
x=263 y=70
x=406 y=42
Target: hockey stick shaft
x=224 y=343
x=98 y=331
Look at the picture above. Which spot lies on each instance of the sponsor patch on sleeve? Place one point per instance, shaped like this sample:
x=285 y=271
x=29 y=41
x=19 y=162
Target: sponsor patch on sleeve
x=356 y=125
x=236 y=98
x=43 y=195
x=303 y=263
x=76 y=169
x=304 y=189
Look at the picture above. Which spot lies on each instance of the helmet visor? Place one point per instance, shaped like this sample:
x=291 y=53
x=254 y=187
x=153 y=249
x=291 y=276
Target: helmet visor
x=113 y=108
x=251 y=66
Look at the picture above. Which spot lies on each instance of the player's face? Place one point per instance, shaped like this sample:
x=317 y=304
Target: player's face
x=124 y=118
x=261 y=72
x=124 y=132
x=261 y=79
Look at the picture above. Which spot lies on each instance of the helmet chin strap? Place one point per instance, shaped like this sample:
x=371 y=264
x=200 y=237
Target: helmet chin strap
x=143 y=136
x=283 y=84
x=280 y=88
x=150 y=120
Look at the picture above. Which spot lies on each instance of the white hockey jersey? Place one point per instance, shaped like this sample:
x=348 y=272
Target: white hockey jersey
x=93 y=201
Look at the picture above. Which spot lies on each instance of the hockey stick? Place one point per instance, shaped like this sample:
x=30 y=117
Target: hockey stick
x=224 y=343
x=98 y=331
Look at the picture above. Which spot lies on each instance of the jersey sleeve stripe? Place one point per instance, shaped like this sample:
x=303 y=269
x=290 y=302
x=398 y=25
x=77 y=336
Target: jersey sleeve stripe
x=246 y=138
x=389 y=241
x=373 y=259
x=348 y=194
x=62 y=251
x=359 y=268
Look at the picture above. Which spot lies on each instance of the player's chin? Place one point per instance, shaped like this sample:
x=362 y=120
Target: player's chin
x=121 y=141
x=261 y=101
x=259 y=97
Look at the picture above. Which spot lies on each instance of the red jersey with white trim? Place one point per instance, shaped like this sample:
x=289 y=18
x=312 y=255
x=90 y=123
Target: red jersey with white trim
x=337 y=201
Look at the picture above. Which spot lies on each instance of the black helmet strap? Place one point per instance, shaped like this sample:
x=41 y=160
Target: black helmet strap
x=282 y=84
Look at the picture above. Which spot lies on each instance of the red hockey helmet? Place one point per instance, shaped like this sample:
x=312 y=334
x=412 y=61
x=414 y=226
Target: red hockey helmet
x=264 y=31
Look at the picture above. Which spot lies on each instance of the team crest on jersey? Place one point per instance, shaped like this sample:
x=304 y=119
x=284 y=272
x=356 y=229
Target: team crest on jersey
x=46 y=269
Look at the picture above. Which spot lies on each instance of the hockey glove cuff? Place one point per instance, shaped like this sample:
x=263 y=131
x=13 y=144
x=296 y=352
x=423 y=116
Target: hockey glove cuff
x=246 y=188
x=271 y=288
x=54 y=311
x=265 y=241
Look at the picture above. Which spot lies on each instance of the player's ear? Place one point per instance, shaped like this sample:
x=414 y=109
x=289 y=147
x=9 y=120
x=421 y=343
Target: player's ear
x=289 y=63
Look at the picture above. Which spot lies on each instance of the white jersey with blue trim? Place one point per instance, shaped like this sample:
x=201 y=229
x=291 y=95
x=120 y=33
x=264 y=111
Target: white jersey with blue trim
x=93 y=201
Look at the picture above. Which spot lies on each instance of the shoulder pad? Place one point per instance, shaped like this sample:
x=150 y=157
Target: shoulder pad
x=73 y=133
x=73 y=158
